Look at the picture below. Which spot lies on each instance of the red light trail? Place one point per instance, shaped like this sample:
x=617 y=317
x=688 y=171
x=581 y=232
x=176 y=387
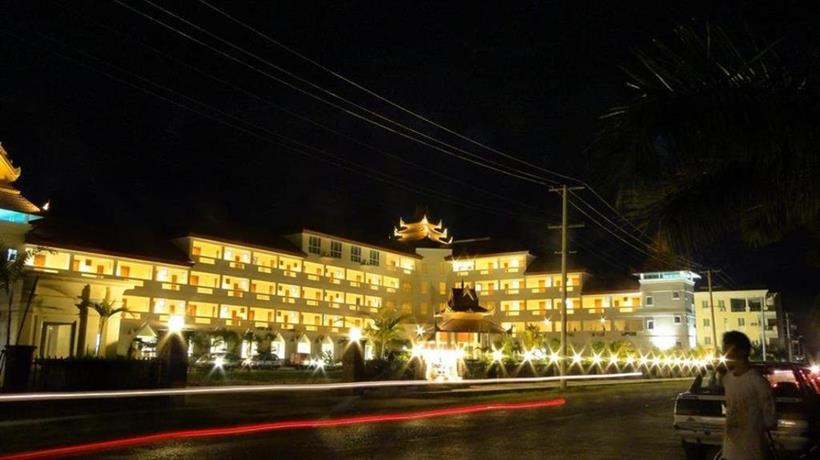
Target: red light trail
x=275 y=426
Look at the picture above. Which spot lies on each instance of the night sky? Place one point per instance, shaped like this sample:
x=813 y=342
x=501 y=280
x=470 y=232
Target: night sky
x=529 y=79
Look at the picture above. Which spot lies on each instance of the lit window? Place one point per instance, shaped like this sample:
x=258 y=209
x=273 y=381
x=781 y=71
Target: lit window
x=650 y=324
x=11 y=254
x=648 y=302
x=336 y=249
x=355 y=254
x=374 y=258
x=314 y=245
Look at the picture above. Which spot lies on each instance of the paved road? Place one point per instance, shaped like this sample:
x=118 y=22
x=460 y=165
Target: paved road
x=627 y=421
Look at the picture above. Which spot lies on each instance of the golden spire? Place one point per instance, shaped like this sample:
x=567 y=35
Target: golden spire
x=8 y=173
x=416 y=231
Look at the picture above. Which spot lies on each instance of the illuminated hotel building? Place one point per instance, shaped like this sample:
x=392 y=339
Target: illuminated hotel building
x=754 y=312
x=306 y=291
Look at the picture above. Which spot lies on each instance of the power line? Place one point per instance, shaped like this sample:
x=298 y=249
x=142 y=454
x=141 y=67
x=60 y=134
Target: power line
x=418 y=116
x=489 y=164
x=306 y=119
x=318 y=153
x=413 y=113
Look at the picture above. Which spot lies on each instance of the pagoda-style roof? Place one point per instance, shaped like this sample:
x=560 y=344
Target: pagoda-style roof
x=10 y=197
x=465 y=300
x=424 y=229
x=479 y=325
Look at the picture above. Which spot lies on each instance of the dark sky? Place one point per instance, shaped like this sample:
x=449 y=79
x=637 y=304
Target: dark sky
x=530 y=79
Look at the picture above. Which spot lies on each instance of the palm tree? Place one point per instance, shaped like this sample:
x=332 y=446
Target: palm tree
x=11 y=273
x=104 y=308
x=386 y=331
x=721 y=136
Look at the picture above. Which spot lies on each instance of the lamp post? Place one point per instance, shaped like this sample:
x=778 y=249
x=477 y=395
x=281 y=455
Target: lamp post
x=174 y=353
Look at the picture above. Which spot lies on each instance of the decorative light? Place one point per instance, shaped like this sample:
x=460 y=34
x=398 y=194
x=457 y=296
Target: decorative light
x=354 y=334
x=527 y=356
x=613 y=359
x=419 y=330
x=629 y=359
x=643 y=360
x=498 y=355
x=596 y=359
x=538 y=353
x=814 y=369
x=417 y=350
x=554 y=357
x=219 y=362
x=576 y=358
x=175 y=324
x=722 y=360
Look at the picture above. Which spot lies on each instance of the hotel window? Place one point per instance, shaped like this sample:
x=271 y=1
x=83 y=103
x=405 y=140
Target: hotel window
x=741 y=322
x=650 y=324
x=707 y=322
x=737 y=305
x=704 y=304
x=374 y=258
x=755 y=304
x=677 y=319
x=676 y=295
x=707 y=340
x=314 y=245
x=722 y=305
x=336 y=249
x=648 y=302
x=355 y=254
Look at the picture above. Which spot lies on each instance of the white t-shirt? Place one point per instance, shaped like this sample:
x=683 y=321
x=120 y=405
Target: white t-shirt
x=750 y=410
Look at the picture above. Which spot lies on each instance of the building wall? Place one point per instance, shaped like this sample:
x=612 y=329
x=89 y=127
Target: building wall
x=739 y=310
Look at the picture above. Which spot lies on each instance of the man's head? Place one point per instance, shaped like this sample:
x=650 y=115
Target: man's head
x=736 y=346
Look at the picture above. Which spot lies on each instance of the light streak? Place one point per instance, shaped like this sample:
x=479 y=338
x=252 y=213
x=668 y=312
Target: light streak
x=81 y=449
x=52 y=396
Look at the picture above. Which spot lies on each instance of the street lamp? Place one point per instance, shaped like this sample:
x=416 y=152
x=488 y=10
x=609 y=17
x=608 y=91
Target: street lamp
x=355 y=334
x=175 y=324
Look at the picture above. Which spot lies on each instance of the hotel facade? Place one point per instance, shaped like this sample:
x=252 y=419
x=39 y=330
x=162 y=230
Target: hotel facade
x=308 y=290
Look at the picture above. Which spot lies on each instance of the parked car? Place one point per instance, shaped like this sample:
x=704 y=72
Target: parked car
x=263 y=360
x=700 y=412
x=220 y=360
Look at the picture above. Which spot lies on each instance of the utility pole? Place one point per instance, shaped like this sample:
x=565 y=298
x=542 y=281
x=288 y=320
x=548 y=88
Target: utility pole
x=712 y=308
x=789 y=336
x=763 y=325
x=564 y=191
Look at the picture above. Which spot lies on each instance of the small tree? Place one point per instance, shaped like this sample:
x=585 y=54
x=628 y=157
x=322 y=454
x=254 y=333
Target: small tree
x=106 y=310
x=386 y=331
x=11 y=273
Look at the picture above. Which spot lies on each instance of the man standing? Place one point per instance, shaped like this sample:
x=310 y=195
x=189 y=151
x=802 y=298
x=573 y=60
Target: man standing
x=750 y=408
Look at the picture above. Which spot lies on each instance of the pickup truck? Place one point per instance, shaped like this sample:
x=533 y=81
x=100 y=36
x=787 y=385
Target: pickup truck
x=700 y=411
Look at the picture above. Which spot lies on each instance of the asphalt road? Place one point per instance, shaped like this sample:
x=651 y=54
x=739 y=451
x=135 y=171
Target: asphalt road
x=617 y=422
